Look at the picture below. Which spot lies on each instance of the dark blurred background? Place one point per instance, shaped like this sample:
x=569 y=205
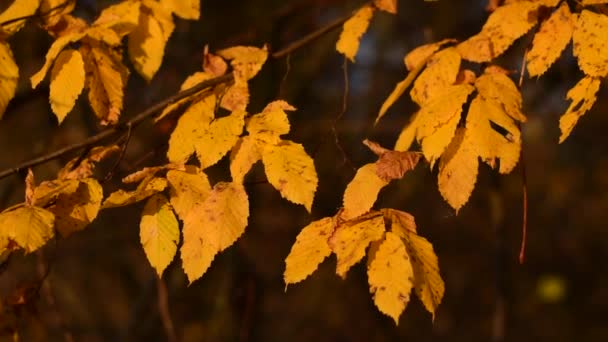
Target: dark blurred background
x=100 y=286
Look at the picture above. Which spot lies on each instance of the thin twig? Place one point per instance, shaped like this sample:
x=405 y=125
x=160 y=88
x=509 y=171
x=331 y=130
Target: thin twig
x=345 y=159
x=36 y=15
x=163 y=309
x=133 y=122
x=524 y=180
x=123 y=150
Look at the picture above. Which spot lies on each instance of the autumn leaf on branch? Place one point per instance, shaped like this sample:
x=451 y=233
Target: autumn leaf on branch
x=354 y=28
x=159 y=232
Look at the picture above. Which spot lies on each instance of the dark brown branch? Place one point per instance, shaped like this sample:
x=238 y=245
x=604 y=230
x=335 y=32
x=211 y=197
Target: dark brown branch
x=136 y=120
x=149 y=112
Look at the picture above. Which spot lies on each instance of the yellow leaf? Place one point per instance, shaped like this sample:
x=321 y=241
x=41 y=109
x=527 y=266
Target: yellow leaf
x=108 y=77
x=402 y=223
x=221 y=135
x=162 y=15
x=428 y=284
x=75 y=210
x=436 y=121
x=145 y=189
x=213 y=226
x=309 y=250
x=151 y=171
x=187 y=189
x=246 y=61
x=458 y=171
x=85 y=167
x=244 y=154
x=190 y=126
x=67 y=81
x=440 y=72
x=362 y=192
x=593 y=2
x=147 y=46
x=190 y=82
x=55 y=15
x=291 y=171
x=159 y=232
x=354 y=28
x=389 y=6
x=186 y=9
x=498 y=87
x=390 y=276
x=590 y=45
x=236 y=97
x=26 y=227
x=48 y=191
x=52 y=53
x=550 y=40
x=350 y=240
x=408 y=134
x=17 y=9
x=420 y=54
x=488 y=143
x=9 y=75
x=505 y=25
x=103 y=34
x=583 y=96
x=121 y=17
x=272 y=119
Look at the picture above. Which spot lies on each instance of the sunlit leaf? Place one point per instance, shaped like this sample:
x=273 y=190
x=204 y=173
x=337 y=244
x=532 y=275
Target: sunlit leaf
x=67 y=82
x=354 y=28
x=159 y=232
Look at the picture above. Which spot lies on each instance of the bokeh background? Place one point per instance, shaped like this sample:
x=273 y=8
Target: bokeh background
x=100 y=286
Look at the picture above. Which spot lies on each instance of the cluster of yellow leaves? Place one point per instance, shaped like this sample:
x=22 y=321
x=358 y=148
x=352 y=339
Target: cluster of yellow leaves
x=355 y=27
x=67 y=205
x=586 y=30
x=398 y=259
x=9 y=71
x=97 y=63
x=441 y=90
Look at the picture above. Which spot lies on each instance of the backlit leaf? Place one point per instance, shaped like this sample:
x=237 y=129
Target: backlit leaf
x=350 y=240
x=186 y=9
x=67 y=81
x=9 y=75
x=498 y=87
x=187 y=189
x=354 y=28
x=48 y=191
x=147 y=46
x=106 y=83
x=550 y=40
x=17 y=9
x=121 y=17
x=291 y=171
x=440 y=72
x=145 y=189
x=389 y=6
x=458 y=169
x=58 y=45
x=25 y=227
x=362 y=192
x=76 y=210
x=417 y=56
x=506 y=24
x=590 y=45
x=244 y=154
x=309 y=250
x=159 y=232
x=391 y=276
x=217 y=140
x=272 y=119
x=583 y=96
x=190 y=126
x=246 y=61
x=428 y=284
x=213 y=226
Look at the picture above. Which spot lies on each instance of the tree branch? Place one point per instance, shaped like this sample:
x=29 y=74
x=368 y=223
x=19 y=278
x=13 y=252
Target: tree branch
x=37 y=15
x=150 y=111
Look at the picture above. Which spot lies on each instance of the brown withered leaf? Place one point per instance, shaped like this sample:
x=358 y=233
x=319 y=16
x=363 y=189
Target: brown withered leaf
x=392 y=164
